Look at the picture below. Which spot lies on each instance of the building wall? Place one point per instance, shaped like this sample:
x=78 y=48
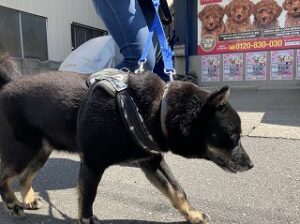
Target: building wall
x=60 y=15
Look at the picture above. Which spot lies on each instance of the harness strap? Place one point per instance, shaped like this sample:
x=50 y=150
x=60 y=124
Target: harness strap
x=163 y=112
x=114 y=82
x=135 y=124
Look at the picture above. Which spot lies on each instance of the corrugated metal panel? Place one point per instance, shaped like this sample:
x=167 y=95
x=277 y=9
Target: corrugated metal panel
x=60 y=14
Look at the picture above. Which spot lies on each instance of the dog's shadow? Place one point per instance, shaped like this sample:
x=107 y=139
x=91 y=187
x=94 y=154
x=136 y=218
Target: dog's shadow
x=60 y=174
x=38 y=218
x=57 y=174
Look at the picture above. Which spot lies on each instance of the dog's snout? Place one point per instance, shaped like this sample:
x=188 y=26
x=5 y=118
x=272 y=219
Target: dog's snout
x=239 y=16
x=295 y=9
x=250 y=165
x=264 y=19
x=211 y=24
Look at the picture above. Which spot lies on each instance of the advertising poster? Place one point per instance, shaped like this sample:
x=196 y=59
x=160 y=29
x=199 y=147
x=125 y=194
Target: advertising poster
x=298 y=65
x=211 y=68
x=230 y=26
x=256 y=66
x=282 y=65
x=233 y=67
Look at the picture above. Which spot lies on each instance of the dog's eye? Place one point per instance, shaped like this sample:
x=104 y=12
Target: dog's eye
x=235 y=138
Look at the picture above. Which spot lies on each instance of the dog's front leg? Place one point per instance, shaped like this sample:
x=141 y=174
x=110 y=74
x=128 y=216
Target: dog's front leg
x=89 y=179
x=160 y=175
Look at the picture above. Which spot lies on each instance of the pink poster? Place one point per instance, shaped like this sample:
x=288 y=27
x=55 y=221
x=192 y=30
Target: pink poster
x=233 y=67
x=256 y=66
x=231 y=26
x=282 y=65
x=298 y=65
x=211 y=69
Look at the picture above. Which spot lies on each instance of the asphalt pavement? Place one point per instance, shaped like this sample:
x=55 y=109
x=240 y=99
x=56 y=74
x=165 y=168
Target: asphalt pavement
x=267 y=194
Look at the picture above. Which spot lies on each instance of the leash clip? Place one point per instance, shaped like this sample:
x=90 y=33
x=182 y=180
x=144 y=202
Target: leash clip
x=170 y=73
x=141 y=64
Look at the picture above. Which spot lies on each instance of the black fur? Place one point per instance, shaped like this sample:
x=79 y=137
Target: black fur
x=32 y=108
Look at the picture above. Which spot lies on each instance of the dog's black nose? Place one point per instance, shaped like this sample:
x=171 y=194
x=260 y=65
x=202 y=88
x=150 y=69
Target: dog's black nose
x=239 y=16
x=211 y=24
x=295 y=9
x=264 y=18
x=250 y=165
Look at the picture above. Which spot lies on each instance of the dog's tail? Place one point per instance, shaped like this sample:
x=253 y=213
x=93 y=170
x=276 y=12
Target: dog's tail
x=8 y=70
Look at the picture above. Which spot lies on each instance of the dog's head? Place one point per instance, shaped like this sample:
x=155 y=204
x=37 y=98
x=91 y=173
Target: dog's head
x=266 y=12
x=239 y=10
x=206 y=126
x=292 y=7
x=211 y=16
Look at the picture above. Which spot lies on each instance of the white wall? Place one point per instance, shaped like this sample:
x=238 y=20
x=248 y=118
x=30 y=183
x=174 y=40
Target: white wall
x=60 y=14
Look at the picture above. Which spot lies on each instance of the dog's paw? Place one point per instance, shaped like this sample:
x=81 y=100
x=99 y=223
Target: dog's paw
x=14 y=210
x=91 y=220
x=196 y=217
x=33 y=205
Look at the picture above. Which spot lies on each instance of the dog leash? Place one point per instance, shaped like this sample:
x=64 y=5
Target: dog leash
x=167 y=52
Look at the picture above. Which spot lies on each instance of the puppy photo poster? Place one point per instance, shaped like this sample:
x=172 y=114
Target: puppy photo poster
x=233 y=67
x=231 y=26
x=298 y=65
x=211 y=68
x=256 y=66
x=282 y=65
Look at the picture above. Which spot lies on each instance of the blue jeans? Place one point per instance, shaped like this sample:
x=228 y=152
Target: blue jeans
x=128 y=24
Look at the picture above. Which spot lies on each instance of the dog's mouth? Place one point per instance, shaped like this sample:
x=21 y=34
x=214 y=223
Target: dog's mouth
x=236 y=161
x=265 y=21
x=225 y=165
x=210 y=26
x=232 y=166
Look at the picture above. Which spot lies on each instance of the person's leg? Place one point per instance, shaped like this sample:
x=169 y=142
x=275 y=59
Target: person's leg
x=127 y=24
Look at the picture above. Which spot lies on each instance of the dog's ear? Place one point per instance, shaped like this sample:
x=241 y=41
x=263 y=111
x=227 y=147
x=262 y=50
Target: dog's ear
x=201 y=14
x=284 y=5
x=278 y=10
x=219 y=97
x=252 y=8
x=228 y=9
x=221 y=12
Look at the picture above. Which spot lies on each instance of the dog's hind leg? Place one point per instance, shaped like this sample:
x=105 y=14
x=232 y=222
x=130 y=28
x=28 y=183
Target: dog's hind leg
x=89 y=179
x=30 y=200
x=11 y=203
x=160 y=175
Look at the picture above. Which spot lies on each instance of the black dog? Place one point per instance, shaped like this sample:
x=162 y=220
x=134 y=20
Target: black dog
x=192 y=123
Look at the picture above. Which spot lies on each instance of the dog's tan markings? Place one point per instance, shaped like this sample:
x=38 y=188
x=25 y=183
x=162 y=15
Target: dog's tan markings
x=30 y=200
x=181 y=203
x=162 y=178
x=11 y=204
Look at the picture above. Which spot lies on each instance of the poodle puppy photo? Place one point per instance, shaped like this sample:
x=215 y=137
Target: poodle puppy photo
x=211 y=18
x=292 y=18
x=266 y=13
x=238 y=16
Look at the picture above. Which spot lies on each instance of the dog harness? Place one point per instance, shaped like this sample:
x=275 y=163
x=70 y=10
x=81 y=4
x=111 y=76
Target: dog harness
x=115 y=83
